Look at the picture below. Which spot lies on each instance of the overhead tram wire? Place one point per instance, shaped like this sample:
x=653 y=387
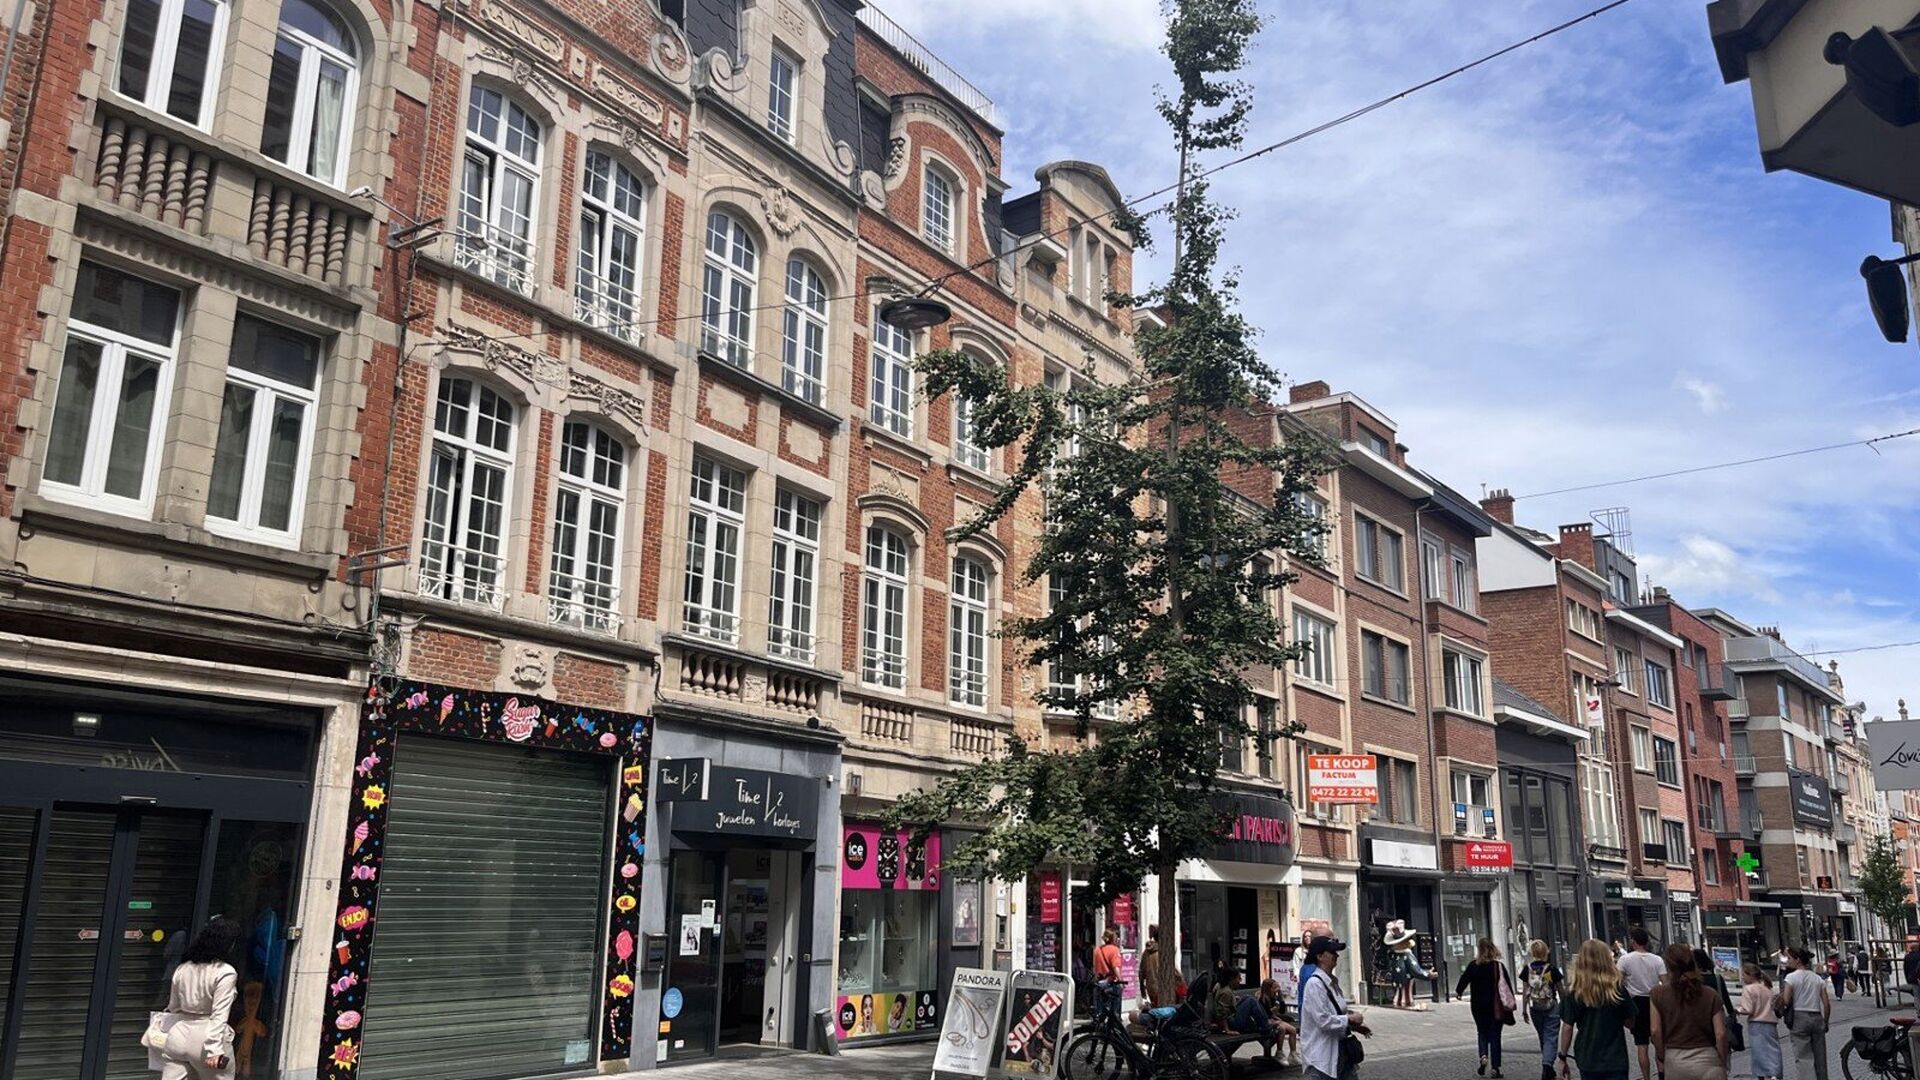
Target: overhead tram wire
x=1910 y=432
x=928 y=286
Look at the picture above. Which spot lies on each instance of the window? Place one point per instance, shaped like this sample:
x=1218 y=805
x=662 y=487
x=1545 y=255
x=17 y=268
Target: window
x=796 y=554
x=1602 y=822
x=1793 y=756
x=1588 y=705
x=1233 y=750
x=1626 y=670
x=1379 y=552
x=266 y=424
x=936 y=211
x=892 y=405
x=1314 y=509
x=1659 y=685
x=1642 y=749
x=1780 y=691
x=883 y=651
x=468 y=481
x=613 y=212
x=1386 y=664
x=310 y=91
x=1059 y=682
x=1316 y=664
x=783 y=86
x=1710 y=868
x=1433 y=572
x=1398 y=802
x=1714 y=812
x=500 y=174
x=1472 y=790
x=170 y=55
x=1620 y=585
x=115 y=377
x=1801 y=858
x=1263 y=735
x=582 y=585
x=1649 y=826
x=966 y=447
x=967 y=635
x=726 y=291
x=1377 y=443
x=1583 y=620
x=1666 y=760
x=716 y=510
x=1463 y=673
x=1466 y=595
x=803 y=335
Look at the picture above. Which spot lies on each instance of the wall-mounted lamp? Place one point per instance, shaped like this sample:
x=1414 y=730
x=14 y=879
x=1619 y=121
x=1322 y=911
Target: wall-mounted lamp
x=1887 y=294
x=1879 y=74
x=915 y=312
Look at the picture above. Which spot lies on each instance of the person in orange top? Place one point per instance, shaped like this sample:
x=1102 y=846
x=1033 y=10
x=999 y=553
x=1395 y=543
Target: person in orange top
x=1107 y=988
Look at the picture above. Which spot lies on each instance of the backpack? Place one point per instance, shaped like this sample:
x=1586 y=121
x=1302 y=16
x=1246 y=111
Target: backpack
x=1541 y=992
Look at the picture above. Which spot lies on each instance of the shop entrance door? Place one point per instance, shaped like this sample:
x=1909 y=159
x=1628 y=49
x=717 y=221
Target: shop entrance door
x=733 y=930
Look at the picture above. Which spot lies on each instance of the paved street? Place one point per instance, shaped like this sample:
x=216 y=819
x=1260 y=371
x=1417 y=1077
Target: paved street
x=1432 y=1045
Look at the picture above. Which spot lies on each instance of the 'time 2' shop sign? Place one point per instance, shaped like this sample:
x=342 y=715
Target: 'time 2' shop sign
x=741 y=802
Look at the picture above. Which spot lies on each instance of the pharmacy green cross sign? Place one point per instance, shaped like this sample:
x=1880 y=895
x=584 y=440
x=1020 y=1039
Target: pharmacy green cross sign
x=1746 y=862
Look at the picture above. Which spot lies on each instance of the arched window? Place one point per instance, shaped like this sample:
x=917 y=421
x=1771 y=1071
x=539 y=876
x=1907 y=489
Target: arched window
x=803 y=338
x=883 y=610
x=967 y=634
x=966 y=432
x=613 y=209
x=468 y=486
x=892 y=363
x=936 y=211
x=726 y=293
x=583 y=583
x=170 y=56
x=500 y=174
x=716 y=516
x=258 y=487
x=310 y=92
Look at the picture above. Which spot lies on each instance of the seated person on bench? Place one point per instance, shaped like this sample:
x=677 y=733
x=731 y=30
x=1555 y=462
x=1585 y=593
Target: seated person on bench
x=1263 y=1014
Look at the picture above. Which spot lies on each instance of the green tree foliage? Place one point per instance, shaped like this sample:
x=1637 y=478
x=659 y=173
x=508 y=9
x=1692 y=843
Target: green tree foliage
x=1163 y=574
x=1882 y=884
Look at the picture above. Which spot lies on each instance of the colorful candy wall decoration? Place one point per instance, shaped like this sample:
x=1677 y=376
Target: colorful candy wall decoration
x=485 y=717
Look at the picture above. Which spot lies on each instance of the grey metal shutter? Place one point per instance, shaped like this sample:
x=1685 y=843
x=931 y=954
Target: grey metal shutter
x=487 y=944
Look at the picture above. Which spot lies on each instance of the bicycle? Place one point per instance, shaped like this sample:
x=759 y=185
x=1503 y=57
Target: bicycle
x=1105 y=1050
x=1884 y=1053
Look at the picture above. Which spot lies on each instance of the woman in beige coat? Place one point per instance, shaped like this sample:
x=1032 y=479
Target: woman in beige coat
x=200 y=1043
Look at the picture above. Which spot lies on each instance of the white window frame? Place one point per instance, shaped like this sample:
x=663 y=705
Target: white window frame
x=1464 y=674
x=589 y=596
x=1319 y=664
x=267 y=392
x=969 y=628
x=716 y=511
x=885 y=580
x=1057 y=683
x=729 y=281
x=965 y=450
x=1625 y=671
x=803 y=332
x=1649 y=822
x=1465 y=595
x=600 y=298
x=307 y=96
x=1371 y=563
x=938 y=198
x=1640 y=741
x=783 y=95
x=1603 y=804
x=891 y=404
x=1433 y=568
x=1387 y=647
x=166 y=45
x=493 y=249
x=1585 y=685
x=455 y=576
x=103 y=416
x=793 y=589
x=1659 y=684
x=1674 y=757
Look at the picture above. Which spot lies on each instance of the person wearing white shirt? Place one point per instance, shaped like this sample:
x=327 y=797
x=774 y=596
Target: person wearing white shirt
x=1640 y=970
x=1809 y=1009
x=1325 y=1018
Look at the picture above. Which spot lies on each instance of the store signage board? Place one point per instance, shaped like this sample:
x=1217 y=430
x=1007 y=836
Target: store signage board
x=749 y=802
x=1259 y=829
x=1406 y=856
x=683 y=779
x=1336 y=779
x=972 y=1029
x=1038 y=1017
x=1489 y=857
x=1895 y=748
x=1812 y=799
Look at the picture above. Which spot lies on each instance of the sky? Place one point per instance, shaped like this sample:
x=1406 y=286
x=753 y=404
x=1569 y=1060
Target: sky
x=1565 y=267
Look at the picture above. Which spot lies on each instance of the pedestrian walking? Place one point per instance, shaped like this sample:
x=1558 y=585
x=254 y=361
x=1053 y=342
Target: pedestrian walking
x=1809 y=1008
x=1107 y=987
x=1838 y=975
x=1763 y=1028
x=1595 y=1016
x=1642 y=971
x=1326 y=1020
x=1493 y=1002
x=1862 y=968
x=1910 y=967
x=1689 y=1023
x=1544 y=985
x=193 y=1038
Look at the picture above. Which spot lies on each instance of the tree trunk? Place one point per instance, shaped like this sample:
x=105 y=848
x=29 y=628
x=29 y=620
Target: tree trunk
x=1168 y=956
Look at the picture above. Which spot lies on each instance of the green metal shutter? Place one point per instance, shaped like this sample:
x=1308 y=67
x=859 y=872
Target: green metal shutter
x=486 y=948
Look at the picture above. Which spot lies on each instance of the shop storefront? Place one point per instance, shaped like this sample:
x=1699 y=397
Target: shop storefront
x=127 y=819
x=1473 y=905
x=1624 y=905
x=1323 y=907
x=740 y=888
x=887 y=981
x=486 y=923
x=1399 y=877
x=1681 y=909
x=1231 y=901
x=1545 y=893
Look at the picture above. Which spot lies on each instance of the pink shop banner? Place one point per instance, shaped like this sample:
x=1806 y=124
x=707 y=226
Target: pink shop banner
x=872 y=858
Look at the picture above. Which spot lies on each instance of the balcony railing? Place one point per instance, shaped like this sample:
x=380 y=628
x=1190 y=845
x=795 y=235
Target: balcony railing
x=583 y=603
x=1743 y=765
x=1841 y=783
x=461 y=574
x=1606 y=853
x=496 y=254
x=607 y=306
x=709 y=622
x=929 y=65
x=1845 y=833
x=736 y=679
x=790 y=644
x=1737 y=709
x=1764 y=649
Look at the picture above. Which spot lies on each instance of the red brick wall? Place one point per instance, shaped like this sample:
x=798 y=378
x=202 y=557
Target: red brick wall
x=454 y=658
x=580 y=680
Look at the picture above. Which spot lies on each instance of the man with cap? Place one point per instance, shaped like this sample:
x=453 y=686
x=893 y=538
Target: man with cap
x=1325 y=1017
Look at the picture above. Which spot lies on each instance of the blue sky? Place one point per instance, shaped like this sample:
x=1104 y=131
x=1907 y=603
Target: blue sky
x=1564 y=267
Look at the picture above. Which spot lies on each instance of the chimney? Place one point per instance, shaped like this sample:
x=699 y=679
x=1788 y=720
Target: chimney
x=1660 y=595
x=1903 y=708
x=1309 y=391
x=1499 y=505
x=1774 y=633
x=1576 y=544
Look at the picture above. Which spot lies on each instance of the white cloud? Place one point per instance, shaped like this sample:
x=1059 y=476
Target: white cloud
x=1709 y=395
x=1118 y=24
x=1704 y=566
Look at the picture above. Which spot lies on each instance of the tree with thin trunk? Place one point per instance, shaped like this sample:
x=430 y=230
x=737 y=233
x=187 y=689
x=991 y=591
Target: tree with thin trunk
x=1883 y=886
x=1162 y=577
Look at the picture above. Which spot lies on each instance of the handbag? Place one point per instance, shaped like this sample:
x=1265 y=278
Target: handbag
x=1505 y=1003
x=155 y=1037
x=1352 y=1053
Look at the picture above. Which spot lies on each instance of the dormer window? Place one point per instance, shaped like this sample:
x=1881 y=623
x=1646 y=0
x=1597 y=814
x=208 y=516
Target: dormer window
x=783 y=89
x=936 y=211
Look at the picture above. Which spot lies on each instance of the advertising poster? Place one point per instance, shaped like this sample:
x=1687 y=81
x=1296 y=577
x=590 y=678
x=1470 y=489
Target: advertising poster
x=1336 y=779
x=967 y=915
x=1039 y=1009
x=860 y=1016
x=1727 y=962
x=968 y=1037
x=1050 y=896
x=872 y=858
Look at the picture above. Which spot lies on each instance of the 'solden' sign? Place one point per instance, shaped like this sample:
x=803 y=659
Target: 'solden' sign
x=1343 y=778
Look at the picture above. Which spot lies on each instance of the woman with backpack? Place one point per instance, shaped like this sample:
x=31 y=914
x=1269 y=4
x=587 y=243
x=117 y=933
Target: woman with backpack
x=1544 y=984
x=1493 y=1002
